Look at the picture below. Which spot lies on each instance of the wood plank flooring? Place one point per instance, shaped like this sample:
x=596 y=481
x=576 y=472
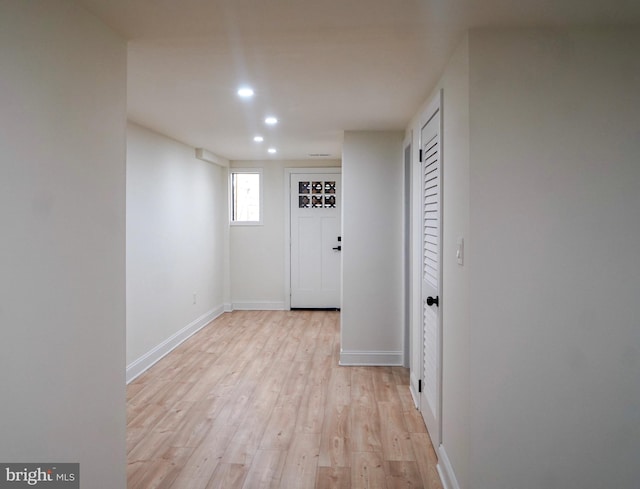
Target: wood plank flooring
x=257 y=400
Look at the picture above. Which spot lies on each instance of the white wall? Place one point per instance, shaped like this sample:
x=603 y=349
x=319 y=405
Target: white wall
x=176 y=244
x=541 y=335
x=257 y=253
x=62 y=244
x=372 y=307
x=555 y=277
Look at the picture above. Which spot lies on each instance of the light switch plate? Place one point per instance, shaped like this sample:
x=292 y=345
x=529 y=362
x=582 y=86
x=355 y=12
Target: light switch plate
x=460 y=251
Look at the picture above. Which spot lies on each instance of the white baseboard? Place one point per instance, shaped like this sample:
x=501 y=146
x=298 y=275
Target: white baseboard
x=228 y=307
x=258 y=306
x=445 y=470
x=139 y=366
x=372 y=358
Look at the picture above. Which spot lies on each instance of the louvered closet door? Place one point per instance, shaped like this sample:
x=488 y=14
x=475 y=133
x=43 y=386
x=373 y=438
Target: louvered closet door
x=431 y=233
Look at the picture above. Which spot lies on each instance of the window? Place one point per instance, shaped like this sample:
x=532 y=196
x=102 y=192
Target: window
x=323 y=194
x=246 y=196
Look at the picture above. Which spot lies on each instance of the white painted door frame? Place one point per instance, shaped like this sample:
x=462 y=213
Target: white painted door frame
x=435 y=106
x=407 y=152
x=287 y=220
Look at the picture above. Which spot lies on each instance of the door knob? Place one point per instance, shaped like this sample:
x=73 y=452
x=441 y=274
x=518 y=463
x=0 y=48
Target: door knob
x=338 y=248
x=431 y=301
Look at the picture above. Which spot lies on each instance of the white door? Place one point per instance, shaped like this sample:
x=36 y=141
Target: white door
x=315 y=210
x=431 y=242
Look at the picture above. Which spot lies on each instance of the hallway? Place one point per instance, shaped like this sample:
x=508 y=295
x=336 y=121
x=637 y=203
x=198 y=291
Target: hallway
x=256 y=399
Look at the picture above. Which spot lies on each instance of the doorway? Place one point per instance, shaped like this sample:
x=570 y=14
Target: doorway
x=313 y=238
x=429 y=237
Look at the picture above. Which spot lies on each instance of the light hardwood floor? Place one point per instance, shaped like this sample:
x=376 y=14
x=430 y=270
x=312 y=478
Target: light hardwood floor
x=257 y=400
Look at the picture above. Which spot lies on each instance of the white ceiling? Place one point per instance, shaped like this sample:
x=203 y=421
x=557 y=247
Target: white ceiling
x=321 y=66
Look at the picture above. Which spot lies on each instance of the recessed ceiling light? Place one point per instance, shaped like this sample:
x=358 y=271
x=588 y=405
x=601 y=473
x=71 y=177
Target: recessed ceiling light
x=258 y=139
x=272 y=150
x=245 y=92
x=271 y=120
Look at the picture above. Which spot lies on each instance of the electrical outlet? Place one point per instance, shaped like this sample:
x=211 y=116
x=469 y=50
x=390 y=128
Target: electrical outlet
x=195 y=298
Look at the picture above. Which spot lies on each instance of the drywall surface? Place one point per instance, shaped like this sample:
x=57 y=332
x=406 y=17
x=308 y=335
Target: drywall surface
x=555 y=276
x=372 y=183
x=62 y=245
x=176 y=240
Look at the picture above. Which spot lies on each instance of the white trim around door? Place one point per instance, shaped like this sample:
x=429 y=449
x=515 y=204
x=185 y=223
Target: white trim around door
x=427 y=240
